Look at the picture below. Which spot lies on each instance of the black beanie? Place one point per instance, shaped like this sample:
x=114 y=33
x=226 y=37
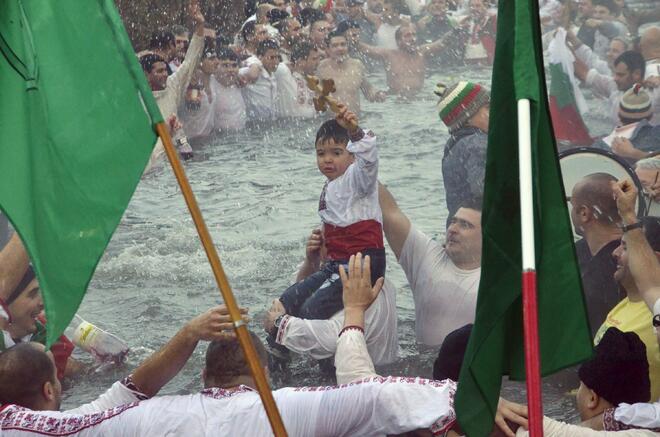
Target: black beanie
x=27 y=278
x=450 y=357
x=619 y=370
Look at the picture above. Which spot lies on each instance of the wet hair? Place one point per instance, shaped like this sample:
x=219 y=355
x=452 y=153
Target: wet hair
x=225 y=53
x=161 y=39
x=301 y=50
x=652 y=232
x=331 y=130
x=275 y=16
x=178 y=29
x=249 y=29
x=345 y=25
x=222 y=40
x=264 y=46
x=633 y=60
x=334 y=34
x=24 y=370
x=609 y=4
x=310 y=15
x=225 y=360
x=595 y=192
x=147 y=61
x=472 y=202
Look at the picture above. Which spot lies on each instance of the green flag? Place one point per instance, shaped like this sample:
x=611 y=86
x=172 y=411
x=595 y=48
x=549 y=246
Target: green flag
x=496 y=343
x=76 y=117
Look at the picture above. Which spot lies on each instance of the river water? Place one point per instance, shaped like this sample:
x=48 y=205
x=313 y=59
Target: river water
x=259 y=191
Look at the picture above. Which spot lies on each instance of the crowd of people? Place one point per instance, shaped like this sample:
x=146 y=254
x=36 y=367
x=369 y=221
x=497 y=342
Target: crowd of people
x=341 y=309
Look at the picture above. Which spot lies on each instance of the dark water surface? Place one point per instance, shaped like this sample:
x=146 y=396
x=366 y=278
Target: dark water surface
x=259 y=193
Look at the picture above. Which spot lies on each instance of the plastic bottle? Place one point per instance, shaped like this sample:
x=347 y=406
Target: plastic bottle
x=104 y=346
x=181 y=141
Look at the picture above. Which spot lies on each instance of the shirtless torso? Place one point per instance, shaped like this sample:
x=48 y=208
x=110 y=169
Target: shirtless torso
x=405 y=71
x=349 y=77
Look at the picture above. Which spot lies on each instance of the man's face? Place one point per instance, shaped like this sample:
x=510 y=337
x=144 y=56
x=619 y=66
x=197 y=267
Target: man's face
x=227 y=70
x=623 y=78
x=602 y=13
x=338 y=48
x=389 y=12
x=585 y=7
x=408 y=40
x=310 y=64
x=375 y=6
x=437 y=8
x=332 y=158
x=318 y=32
x=279 y=4
x=293 y=29
x=209 y=65
x=181 y=42
x=270 y=60
x=157 y=77
x=614 y=50
x=620 y=255
x=463 y=240
x=260 y=33
x=25 y=310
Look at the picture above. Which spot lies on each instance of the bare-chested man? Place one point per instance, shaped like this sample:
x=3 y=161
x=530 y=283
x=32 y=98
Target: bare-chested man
x=406 y=65
x=349 y=74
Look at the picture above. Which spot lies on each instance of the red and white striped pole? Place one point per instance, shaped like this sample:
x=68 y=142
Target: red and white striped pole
x=530 y=308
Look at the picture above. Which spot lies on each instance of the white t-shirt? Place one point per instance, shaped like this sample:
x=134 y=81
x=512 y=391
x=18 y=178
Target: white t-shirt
x=295 y=98
x=200 y=122
x=260 y=96
x=445 y=296
x=228 y=107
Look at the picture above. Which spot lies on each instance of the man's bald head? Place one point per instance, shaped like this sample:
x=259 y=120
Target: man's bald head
x=595 y=192
x=24 y=370
x=649 y=44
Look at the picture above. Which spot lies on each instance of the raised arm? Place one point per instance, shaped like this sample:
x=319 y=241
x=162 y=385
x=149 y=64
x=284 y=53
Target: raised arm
x=251 y=74
x=395 y=223
x=642 y=260
x=373 y=52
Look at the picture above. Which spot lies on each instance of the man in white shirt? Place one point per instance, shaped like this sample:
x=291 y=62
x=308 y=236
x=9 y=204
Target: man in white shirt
x=295 y=98
x=261 y=91
x=444 y=278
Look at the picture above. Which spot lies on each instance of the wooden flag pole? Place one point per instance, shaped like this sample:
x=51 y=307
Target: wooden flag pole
x=530 y=308
x=223 y=284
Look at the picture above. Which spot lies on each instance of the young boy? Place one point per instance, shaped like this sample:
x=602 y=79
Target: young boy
x=351 y=216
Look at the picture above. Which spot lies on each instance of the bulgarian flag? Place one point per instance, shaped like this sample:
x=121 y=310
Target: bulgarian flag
x=496 y=346
x=76 y=116
x=566 y=100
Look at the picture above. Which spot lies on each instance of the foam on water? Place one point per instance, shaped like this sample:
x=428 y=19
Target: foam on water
x=259 y=193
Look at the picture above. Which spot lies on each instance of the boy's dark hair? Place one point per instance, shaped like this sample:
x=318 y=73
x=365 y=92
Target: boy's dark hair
x=310 y=15
x=301 y=50
x=275 y=16
x=248 y=30
x=472 y=202
x=264 y=46
x=633 y=60
x=344 y=25
x=161 y=39
x=331 y=130
x=225 y=53
x=609 y=4
x=147 y=61
x=334 y=34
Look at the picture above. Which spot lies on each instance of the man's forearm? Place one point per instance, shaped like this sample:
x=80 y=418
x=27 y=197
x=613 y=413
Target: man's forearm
x=163 y=365
x=643 y=263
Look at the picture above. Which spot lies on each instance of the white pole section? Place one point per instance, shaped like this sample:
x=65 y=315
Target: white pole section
x=526 y=186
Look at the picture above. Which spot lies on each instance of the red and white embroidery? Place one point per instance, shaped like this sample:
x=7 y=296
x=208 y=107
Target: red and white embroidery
x=221 y=393
x=23 y=419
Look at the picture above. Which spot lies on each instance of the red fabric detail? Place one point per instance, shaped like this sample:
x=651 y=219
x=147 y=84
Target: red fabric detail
x=349 y=327
x=568 y=125
x=458 y=109
x=61 y=350
x=342 y=242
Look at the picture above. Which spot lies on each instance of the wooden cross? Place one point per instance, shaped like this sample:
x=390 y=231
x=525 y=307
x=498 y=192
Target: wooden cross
x=323 y=99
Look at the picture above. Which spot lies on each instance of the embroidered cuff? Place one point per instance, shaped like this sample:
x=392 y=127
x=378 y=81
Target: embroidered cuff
x=351 y=327
x=279 y=337
x=356 y=136
x=610 y=423
x=129 y=384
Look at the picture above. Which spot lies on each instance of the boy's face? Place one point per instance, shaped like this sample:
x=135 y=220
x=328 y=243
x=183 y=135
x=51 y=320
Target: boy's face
x=228 y=69
x=602 y=13
x=332 y=158
x=270 y=60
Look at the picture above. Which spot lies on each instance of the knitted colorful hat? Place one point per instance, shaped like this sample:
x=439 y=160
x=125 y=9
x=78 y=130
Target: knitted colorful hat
x=459 y=102
x=635 y=104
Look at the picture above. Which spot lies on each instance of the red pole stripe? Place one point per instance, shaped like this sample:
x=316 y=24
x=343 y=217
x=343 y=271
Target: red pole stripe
x=532 y=354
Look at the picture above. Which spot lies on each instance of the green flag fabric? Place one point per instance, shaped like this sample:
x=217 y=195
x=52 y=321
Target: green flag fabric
x=496 y=343
x=76 y=116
